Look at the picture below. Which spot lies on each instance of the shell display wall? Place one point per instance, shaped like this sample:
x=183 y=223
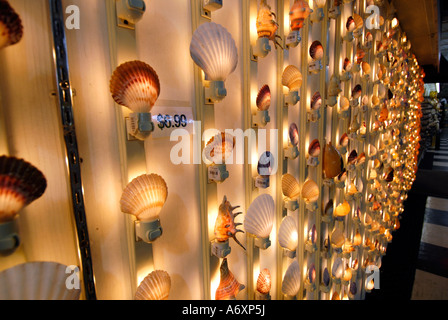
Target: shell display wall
x=285 y=180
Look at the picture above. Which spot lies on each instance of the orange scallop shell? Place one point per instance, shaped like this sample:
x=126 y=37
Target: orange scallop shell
x=264 y=281
x=332 y=161
x=300 y=10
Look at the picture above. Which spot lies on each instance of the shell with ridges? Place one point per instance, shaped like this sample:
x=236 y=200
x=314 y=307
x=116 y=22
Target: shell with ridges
x=316 y=50
x=300 y=10
x=316 y=101
x=294 y=134
x=264 y=281
x=288 y=234
x=291 y=280
x=11 y=29
x=292 y=78
x=310 y=191
x=225 y=226
x=228 y=287
x=314 y=148
x=219 y=148
x=342 y=209
x=264 y=98
x=266 y=24
x=290 y=187
x=259 y=218
x=155 y=286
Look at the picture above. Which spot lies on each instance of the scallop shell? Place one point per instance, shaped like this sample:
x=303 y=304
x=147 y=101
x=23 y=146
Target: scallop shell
x=328 y=210
x=265 y=164
x=288 y=234
x=228 y=287
x=344 y=104
x=264 y=98
x=350 y=25
x=20 y=184
x=310 y=191
x=316 y=50
x=342 y=209
x=343 y=141
x=11 y=29
x=312 y=273
x=300 y=10
x=359 y=22
x=291 y=280
x=292 y=78
x=316 y=101
x=356 y=92
x=144 y=197
x=365 y=67
x=260 y=216
x=135 y=85
x=213 y=49
x=294 y=134
x=352 y=157
x=326 y=277
x=338 y=268
x=290 y=187
x=155 y=286
x=332 y=161
x=264 y=281
x=337 y=237
x=219 y=148
x=347 y=65
x=37 y=281
x=314 y=148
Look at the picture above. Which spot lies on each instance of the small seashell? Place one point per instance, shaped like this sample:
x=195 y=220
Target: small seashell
x=10 y=25
x=290 y=187
x=316 y=50
x=360 y=54
x=313 y=234
x=343 y=141
x=328 y=210
x=332 y=161
x=347 y=274
x=356 y=92
x=335 y=296
x=300 y=10
x=292 y=78
x=359 y=22
x=219 y=148
x=259 y=218
x=310 y=191
x=347 y=65
x=353 y=288
x=264 y=281
x=357 y=240
x=294 y=134
x=361 y=158
x=365 y=67
x=342 y=209
x=352 y=189
x=264 y=98
x=312 y=273
x=155 y=286
x=337 y=237
x=342 y=176
x=292 y=279
x=314 y=148
x=350 y=25
x=344 y=104
x=288 y=234
x=265 y=164
x=228 y=287
x=375 y=100
x=326 y=277
x=316 y=101
x=352 y=157
x=338 y=268
x=369 y=37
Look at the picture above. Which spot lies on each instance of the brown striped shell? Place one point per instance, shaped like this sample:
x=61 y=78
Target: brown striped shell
x=264 y=98
x=229 y=286
x=11 y=29
x=316 y=101
x=314 y=148
x=310 y=191
x=290 y=187
x=316 y=50
x=155 y=286
x=292 y=78
x=264 y=281
x=350 y=25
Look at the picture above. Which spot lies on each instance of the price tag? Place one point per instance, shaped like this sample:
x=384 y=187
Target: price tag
x=214 y=173
x=168 y=119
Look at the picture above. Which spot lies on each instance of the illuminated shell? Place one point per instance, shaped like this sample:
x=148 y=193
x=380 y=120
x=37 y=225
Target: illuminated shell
x=332 y=161
x=214 y=50
x=328 y=210
x=300 y=10
x=311 y=273
x=352 y=157
x=341 y=177
x=266 y=24
x=259 y=218
x=11 y=29
x=310 y=191
x=384 y=113
x=357 y=240
x=292 y=78
x=228 y=287
x=375 y=100
x=265 y=164
x=314 y=148
x=347 y=65
x=360 y=54
x=144 y=197
x=316 y=101
x=316 y=50
x=343 y=141
x=135 y=85
x=37 y=281
x=294 y=134
x=20 y=184
x=288 y=234
x=264 y=98
x=219 y=148
x=344 y=104
x=264 y=281
x=312 y=235
x=352 y=189
x=335 y=86
x=356 y=92
x=338 y=268
x=326 y=277
x=290 y=187
x=225 y=226
x=291 y=280
x=342 y=209
x=361 y=158
x=347 y=274
x=359 y=22
x=155 y=286
x=369 y=37
x=350 y=25
x=365 y=67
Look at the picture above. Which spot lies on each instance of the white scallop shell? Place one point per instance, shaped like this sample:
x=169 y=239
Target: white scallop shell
x=259 y=218
x=37 y=281
x=144 y=197
x=292 y=279
x=155 y=286
x=290 y=187
x=219 y=148
x=338 y=268
x=288 y=234
x=213 y=49
x=292 y=78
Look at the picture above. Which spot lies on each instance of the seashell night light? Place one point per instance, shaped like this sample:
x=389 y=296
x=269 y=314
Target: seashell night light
x=290 y=187
x=316 y=53
x=144 y=198
x=218 y=150
x=263 y=285
x=228 y=287
x=259 y=220
x=265 y=167
x=334 y=89
x=288 y=236
x=261 y=118
x=20 y=184
x=314 y=148
x=36 y=281
x=292 y=279
x=135 y=85
x=266 y=30
x=350 y=25
x=292 y=78
x=155 y=286
x=11 y=29
x=332 y=162
x=298 y=13
x=213 y=49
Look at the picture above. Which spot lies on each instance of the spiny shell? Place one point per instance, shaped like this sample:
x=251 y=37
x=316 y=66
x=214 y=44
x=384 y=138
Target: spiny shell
x=266 y=24
x=264 y=281
x=219 y=148
x=291 y=280
x=300 y=10
x=214 y=50
x=342 y=209
x=264 y=98
x=228 y=287
x=135 y=85
x=332 y=161
x=225 y=226
x=155 y=286
x=294 y=134
x=144 y=197
x=310 y=191
x=37 y=281
x=290 y=187
x=265 y=164
x=316 y=101
x=292 y=78
x=20 y=184
x=316 y=50
x=288 y=234
x=259 y=218
x=11 y=29
x=314 y=148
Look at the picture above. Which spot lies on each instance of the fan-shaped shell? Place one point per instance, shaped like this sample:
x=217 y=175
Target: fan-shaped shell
x=135 y=85
x=20 y=184
x=11 y=29
x=288 y=234
x=359 y=22
x=264 y=281
x=290 y=187
x=343 y=141
x=155 y=286
x=342 y=209
x=265 y=164
x=291 y=280
x=228 y=287
x=332 y=161
x=259 y=218
x=316 y=50
x=37 y=281
x=219 y=148
x=292 y=78
x=316 y=101
x=310 y=191
x=294 y=134
x=337 y=237
x=144 y=197
x=314 y=148
x=350 y=25
x=300 y=10
x=214 y=50
x=264 y=98
x=344 y=104
x=356 y=92
x=347 y=65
